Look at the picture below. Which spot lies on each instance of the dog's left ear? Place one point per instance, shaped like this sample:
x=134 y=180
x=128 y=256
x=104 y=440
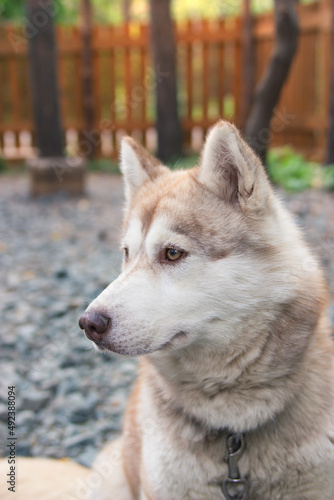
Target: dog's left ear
x=230 y=168
x=137 y=166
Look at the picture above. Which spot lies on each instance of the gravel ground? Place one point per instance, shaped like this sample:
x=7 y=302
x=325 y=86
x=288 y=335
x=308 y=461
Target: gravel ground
x=57 y=253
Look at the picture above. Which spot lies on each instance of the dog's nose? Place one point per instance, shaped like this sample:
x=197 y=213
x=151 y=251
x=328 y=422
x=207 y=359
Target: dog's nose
x=95 y=325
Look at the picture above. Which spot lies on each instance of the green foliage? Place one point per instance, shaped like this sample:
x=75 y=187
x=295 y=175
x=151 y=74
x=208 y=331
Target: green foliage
x=68 y=11
x=2 y=165
x=328 y=174
x=15 y=11
x=291 y=171
x=16 y=167
x=12 y=9
x=103 y=165
x=104 y=11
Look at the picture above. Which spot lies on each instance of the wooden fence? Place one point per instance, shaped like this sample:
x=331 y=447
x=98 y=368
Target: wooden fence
x=210 y=74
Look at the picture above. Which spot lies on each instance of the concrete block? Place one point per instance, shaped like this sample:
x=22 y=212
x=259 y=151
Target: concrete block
x=49 y=175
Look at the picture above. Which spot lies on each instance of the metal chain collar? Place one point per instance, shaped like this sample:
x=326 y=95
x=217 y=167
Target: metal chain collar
x=235 y=487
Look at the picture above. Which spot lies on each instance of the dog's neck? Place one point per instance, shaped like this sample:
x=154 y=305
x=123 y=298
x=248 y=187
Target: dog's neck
x=237 y=389
x=238 y=404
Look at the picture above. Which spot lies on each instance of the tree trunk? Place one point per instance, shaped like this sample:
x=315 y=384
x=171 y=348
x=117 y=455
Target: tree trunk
x=247 y=61
x=330 y=138
x=43 y=67
x=91 y=141
x=127 y=11
x=267 y=93
x=164 y=58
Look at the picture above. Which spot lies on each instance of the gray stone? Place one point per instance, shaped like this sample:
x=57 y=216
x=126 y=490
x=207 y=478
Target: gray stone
x=69 y=361
x=61 y=273
x=83 y=439
x=13 y=280
x=35 y=401
x=27 y=332
x=69 y=386
x=50 y=384
x=57 y=310
x=87 y=457
x=23 y=448
x=3 y=412
x=26 y=418
x=10 y=306
x=83 y=412
x=8 y=339
x=109 y=427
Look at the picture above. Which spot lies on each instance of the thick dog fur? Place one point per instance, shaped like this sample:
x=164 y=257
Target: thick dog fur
x=233 y=335
x=44 y=479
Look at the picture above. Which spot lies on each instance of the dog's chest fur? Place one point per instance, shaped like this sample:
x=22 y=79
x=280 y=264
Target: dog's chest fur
x=180 y=456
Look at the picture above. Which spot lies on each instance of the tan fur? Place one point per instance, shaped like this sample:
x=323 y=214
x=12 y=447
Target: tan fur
x=269 y=373
x=132 y=452
x=43 y=479
x=234 y=336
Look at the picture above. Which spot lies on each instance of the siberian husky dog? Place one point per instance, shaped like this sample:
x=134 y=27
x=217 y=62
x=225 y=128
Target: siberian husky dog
x=226 y=306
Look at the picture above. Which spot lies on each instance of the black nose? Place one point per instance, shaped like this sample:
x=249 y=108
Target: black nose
x=95 y=325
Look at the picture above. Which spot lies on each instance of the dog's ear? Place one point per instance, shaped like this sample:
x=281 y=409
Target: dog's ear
x=137 y=166
x=230 y=168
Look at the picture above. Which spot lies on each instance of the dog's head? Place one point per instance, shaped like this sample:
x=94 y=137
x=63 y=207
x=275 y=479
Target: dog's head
x=202 y=252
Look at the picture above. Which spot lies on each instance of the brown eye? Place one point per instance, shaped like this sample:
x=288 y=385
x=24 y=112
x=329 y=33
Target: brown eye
x=172 y=254
x=126 y=253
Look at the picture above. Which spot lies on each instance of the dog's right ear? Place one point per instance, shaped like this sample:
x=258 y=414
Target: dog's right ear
x=137 y=166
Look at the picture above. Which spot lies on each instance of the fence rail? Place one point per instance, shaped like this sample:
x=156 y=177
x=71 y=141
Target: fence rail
x=210 y=83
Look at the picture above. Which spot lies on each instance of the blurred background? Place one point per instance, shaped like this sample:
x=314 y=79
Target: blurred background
x=110 y=67
x=77 y=75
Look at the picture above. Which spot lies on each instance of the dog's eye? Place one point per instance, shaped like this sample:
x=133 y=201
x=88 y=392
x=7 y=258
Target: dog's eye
x=126 y=253
x=172 y=254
